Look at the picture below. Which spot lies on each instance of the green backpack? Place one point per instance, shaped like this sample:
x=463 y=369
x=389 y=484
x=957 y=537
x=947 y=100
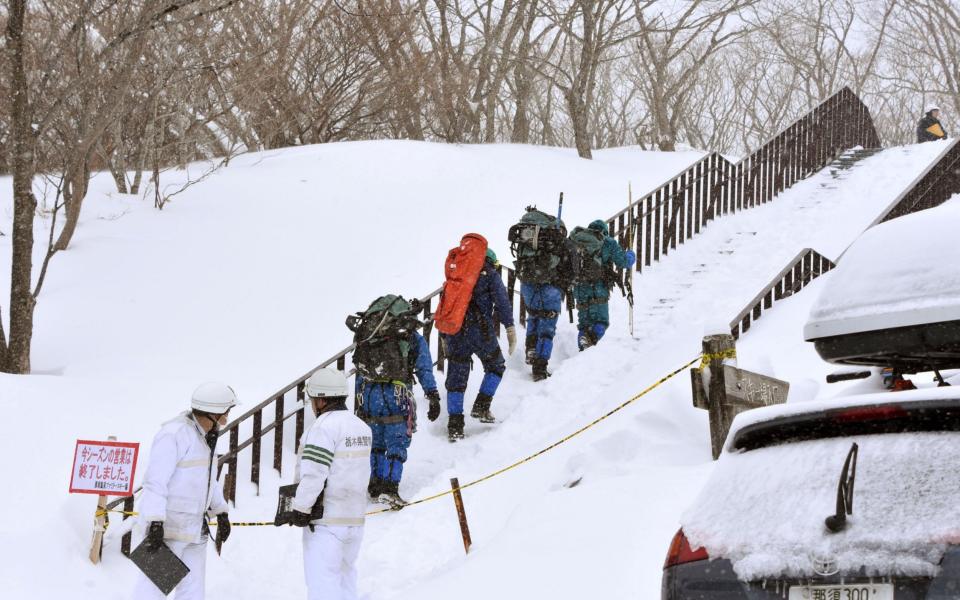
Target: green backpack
x=382 y=338
x=589 y=244
x=537 y=243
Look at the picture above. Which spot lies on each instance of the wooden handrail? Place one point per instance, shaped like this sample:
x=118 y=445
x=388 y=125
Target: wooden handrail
x=806 y=266
x=664 y=217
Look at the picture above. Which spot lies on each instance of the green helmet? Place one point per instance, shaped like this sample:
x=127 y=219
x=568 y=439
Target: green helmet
x=492 y=257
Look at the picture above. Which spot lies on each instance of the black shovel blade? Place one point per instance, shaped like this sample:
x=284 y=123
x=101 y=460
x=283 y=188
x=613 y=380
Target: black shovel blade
x=162 y=567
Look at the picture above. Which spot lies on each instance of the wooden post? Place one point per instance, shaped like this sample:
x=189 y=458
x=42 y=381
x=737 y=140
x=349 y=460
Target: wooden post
x=127 y=538
x=715 y=346
x=731 y=390
x=99 y=524
x=461 y=514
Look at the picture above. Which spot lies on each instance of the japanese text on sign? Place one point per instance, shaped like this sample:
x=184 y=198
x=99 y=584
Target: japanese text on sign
x=105 y=468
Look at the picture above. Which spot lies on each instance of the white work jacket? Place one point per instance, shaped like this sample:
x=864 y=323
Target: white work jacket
x=181 y=481
x=334 y=458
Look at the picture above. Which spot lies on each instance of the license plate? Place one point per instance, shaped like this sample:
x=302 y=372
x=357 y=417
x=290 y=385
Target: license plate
x=860 y=591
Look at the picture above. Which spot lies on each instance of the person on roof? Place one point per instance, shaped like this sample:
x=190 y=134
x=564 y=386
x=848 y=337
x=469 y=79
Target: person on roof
x=599 y=254
x=181 y=491
x=477 y=337
x=333 y=471
x=930 y=129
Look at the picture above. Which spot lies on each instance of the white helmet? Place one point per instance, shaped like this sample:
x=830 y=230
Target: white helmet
x=931 y=108
x=327 y=382
x=213 y=397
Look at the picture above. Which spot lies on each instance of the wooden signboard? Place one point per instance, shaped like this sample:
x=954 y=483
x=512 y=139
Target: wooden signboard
x=731 y=390
x=747 y=390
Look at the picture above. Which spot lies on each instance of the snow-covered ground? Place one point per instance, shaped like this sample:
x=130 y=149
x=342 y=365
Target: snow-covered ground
x=247 y=277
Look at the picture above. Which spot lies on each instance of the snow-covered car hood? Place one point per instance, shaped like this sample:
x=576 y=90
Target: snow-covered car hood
x=764 y=510
x=900 y=273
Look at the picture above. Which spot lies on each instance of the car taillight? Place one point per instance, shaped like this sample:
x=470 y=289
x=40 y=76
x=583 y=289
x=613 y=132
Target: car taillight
x=870 y=413
x=681 y=553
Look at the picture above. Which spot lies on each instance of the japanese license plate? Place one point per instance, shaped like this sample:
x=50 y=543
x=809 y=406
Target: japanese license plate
x=857 y=591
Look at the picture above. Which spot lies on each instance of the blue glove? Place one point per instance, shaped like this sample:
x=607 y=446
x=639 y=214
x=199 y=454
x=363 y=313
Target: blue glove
x=631 y=258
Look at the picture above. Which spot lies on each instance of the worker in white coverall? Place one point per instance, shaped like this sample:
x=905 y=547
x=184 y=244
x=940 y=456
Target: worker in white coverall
x=181 y=491
x=333 y=471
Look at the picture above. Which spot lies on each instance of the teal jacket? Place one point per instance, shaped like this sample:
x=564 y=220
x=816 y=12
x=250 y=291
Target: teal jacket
x=610 y=254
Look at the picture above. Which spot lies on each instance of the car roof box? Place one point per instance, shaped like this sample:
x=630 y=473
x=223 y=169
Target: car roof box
x=894 y=298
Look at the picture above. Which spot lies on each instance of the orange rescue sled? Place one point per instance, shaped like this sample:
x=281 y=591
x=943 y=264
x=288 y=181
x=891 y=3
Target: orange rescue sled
x=462 y=270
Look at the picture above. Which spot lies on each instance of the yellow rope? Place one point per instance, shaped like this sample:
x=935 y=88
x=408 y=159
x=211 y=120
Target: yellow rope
x=722 y=355
x=551 y=446
x=706 y=360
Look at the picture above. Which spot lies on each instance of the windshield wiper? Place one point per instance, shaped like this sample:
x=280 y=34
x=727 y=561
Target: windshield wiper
x=838 y=522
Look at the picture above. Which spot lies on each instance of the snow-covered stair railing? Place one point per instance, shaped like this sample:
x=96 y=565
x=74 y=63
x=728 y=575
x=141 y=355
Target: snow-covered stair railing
x=662 y=219
x=799 y=272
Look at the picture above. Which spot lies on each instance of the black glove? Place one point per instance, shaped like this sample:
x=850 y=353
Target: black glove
x=154 y=537
x=223 y=528
x=301 y=519
x=434 y=410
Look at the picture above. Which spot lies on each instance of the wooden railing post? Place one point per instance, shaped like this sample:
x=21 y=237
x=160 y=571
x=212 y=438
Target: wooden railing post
x=230 y=485
x=298 y=428
x=278 y=418
x=126 y=540
x=255 y=460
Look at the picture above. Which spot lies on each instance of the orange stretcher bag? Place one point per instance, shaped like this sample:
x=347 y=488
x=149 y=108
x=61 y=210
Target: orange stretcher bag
x=462 y=269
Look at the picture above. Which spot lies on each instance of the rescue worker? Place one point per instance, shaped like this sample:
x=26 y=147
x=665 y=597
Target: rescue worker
x=388 y=407
x=592 y=290
x=333 y=469
x=929 y=129
x=477 y=336
x=543 y=302
x=181 y=491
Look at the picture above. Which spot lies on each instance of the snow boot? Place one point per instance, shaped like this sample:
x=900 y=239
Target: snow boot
x=481 y=409
x=455 y=428
x=586 y=339
x=374 y=489
x=390 y=495
x=540 y=370
x=531 y=346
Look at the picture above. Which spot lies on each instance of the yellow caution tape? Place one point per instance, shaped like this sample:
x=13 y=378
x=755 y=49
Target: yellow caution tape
x=723 y=355
x=706 y=360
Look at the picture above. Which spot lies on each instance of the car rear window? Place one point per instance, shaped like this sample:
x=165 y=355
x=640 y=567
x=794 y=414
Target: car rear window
x=907 y=417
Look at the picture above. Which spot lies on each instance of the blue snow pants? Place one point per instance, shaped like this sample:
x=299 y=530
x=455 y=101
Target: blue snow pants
x=593 y=312
x=543 y=304
x=472 y=339
x=386 y=409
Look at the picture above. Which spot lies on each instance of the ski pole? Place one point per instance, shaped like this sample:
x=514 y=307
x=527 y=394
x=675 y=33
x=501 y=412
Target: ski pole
x=560 y=208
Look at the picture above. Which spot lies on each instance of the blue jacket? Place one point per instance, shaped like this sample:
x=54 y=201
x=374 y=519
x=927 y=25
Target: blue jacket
x=489 y=299
x=610 y=254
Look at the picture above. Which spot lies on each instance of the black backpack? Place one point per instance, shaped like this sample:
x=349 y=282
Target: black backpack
x=382 y=338
x=538 y=243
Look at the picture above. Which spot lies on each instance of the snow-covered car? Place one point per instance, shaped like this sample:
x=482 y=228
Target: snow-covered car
x=857 y=499
x=894 y=298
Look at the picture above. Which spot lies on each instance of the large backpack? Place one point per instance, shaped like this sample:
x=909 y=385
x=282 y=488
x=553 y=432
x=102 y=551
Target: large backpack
x=462 y=269
x=589 y=243
x=537 y=243
x=382 y=337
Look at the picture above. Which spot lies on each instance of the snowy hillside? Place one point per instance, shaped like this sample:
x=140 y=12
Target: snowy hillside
x=248 y=276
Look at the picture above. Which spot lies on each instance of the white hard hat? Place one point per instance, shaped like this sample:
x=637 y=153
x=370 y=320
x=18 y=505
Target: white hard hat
x=327 y=382
x=932 y=107
x=213 y=397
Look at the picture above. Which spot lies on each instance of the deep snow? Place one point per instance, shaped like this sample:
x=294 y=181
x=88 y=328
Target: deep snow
x=248 y=276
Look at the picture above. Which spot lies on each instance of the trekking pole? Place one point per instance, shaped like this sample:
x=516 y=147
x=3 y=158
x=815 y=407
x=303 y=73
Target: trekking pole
x=628 y=279
x=560 y=208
